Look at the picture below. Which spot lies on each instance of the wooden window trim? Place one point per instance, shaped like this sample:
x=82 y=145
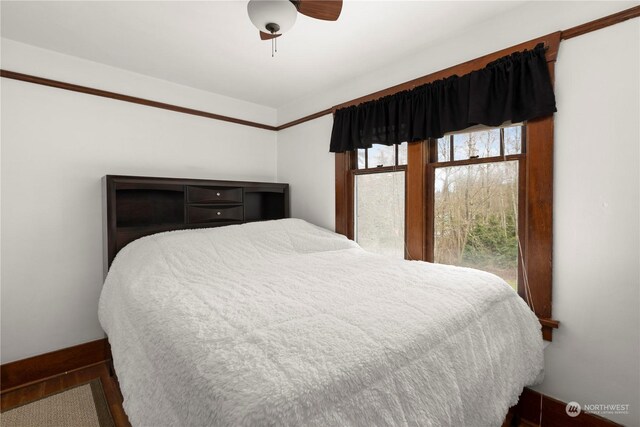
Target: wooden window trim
x=535 y=221
x=380 y=169
x=479 y=160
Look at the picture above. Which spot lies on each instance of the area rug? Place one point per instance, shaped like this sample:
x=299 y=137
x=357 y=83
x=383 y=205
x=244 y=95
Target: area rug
x=81 y=406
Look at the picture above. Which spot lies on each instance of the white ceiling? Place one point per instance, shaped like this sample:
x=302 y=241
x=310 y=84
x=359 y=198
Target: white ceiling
x=212 y=45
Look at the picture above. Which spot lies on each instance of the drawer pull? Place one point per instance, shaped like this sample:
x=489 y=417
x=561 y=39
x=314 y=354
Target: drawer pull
x=218 y=194
x=218 y=213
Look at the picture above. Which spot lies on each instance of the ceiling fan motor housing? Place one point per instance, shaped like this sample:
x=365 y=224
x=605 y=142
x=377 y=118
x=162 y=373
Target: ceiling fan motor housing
x=272 y=28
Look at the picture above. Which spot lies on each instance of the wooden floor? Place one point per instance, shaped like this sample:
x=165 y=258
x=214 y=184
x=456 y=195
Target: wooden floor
x=29 y=393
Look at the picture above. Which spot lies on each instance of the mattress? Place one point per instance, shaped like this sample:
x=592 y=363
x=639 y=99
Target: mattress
x=282 y=323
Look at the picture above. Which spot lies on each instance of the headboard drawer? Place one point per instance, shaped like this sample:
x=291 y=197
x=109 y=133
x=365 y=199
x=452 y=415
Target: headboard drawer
x=199 y=214
x=214 y=195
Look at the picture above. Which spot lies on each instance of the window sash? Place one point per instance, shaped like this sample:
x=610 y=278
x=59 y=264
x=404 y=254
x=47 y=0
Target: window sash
x=522 y=205
x=389 y=169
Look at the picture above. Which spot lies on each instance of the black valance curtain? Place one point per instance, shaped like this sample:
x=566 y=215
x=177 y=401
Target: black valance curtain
x=513 y=88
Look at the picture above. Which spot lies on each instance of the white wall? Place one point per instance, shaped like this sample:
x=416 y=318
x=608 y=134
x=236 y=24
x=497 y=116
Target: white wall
x=305 y=163
x=56 y=146
x=595 y=355
x=27 y=59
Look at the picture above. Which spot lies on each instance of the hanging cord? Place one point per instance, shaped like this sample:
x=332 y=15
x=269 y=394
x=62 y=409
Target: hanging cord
x=525 y=278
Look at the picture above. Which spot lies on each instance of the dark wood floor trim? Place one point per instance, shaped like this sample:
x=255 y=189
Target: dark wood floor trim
x=38 y=368
x=126 y=98
x=537 y=409
x=70 y=367
x=601 y=23
x=42 y=389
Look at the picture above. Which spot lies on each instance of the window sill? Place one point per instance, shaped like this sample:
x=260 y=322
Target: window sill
x=548 y=325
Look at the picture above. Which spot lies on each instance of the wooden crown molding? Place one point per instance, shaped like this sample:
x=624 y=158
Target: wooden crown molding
x=579 y=30
x=305 y=119
x=569 y=33
x=38 y=368
x=126 y=98
x=551 y=42
x=601 y=23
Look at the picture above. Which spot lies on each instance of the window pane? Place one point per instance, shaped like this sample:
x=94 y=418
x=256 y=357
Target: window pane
x=361 y=157
x=444 y=149
x=379 y=212
x=484 y=143
x=476 y=217
x=461 y=146
x=382 y=155
x=402 y=153
x=513 y=140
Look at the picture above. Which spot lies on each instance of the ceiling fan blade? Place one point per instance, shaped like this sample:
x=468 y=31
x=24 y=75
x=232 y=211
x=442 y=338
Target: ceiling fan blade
x=267 y=36
x=328 y=10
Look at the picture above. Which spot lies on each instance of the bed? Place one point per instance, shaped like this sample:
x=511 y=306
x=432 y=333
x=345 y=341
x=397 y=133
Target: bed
x=282 y=323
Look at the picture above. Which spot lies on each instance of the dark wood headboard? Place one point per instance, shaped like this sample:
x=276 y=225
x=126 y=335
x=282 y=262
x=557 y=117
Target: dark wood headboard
x=136 y=206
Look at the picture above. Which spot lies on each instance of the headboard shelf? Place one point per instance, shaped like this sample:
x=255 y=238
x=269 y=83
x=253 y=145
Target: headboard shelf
x=137 y=206
x=149 y=206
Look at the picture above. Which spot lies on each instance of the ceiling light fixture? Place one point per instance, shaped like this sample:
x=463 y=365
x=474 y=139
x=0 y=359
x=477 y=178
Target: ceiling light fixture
x=272 y=18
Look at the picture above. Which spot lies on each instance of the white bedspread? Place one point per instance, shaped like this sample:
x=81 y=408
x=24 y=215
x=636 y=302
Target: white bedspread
x=282 y=323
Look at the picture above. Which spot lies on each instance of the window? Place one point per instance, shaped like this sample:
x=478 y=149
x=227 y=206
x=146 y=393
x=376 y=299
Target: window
x=518 y=162
x=480 y=199
x=476 y=201
x=379 y=199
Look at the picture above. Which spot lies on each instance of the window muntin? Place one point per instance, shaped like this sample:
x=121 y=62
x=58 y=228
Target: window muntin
x=380 y=212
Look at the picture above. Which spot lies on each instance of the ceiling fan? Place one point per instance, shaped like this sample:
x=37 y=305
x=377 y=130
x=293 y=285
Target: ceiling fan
x=273 y=17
